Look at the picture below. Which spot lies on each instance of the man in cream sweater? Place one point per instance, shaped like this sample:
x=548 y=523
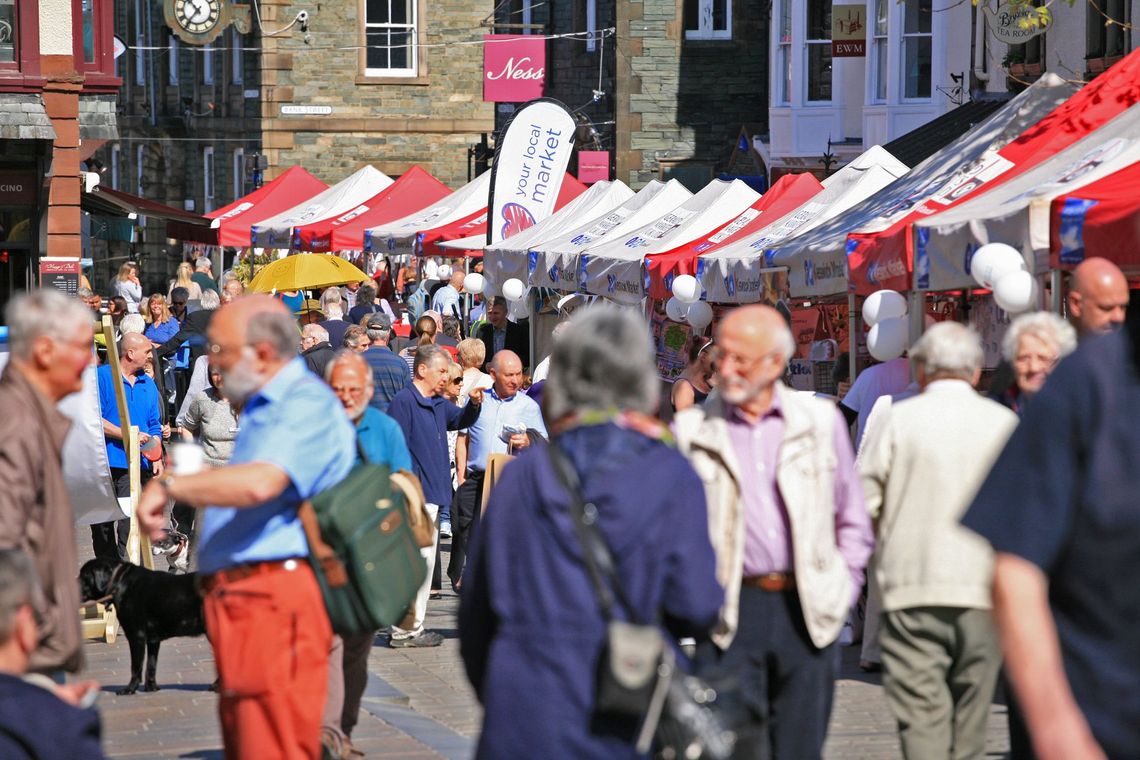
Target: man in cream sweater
x=920 y=471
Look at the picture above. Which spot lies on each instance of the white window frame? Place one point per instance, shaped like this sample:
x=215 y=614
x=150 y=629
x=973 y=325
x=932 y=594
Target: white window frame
x=208 y=179
x=239 y=173
x=809 y=43
x=591 y=25
x=783 y=47
x=207 y=64
x=140 y=162
x=172 y=55
x=140 y=43
x=237 y=73
x=904 y=61
x=880 y=42
x=412 y=29
x=116 y=158
x=705 y=30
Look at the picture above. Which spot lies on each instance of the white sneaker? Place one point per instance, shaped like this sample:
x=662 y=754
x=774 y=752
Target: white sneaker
x=445 y=529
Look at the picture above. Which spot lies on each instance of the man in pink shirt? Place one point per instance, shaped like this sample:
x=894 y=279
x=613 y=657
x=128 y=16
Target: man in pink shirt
x=790 y=530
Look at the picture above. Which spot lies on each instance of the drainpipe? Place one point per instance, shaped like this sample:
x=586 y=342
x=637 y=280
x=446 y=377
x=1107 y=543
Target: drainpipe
x=980 y=43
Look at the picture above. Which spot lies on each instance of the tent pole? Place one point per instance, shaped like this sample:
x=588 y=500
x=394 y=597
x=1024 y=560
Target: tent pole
x=852 y=342
x=1055 y=297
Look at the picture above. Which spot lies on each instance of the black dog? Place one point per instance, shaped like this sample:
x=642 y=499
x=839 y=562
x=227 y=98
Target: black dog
x=151 y=606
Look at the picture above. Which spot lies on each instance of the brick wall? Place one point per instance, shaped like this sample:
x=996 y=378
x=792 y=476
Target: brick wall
x=427 y=120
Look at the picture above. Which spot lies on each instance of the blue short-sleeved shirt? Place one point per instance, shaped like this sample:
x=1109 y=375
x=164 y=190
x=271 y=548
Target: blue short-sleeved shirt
x=390 y=375
x=296 y=423
x=142 y=406
x=1062 y=495
x=383 y=440
x=483 y=438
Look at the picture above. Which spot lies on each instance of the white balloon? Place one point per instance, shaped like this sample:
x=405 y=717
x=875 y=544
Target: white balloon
x=675 y=310
x=431 y=270
x=888 y=339
x=700 y=315
x=473 y=283
x=443 y=272
x=883 y=304
x=993 y=260
x=1016 y=292
x=686 y=288
x=514 y=289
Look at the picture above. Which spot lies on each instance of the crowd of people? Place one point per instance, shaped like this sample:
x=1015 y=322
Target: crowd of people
x=988 y=534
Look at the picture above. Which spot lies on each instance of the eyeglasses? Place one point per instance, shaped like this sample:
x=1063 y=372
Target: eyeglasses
x=746 y=363
x=352 y=390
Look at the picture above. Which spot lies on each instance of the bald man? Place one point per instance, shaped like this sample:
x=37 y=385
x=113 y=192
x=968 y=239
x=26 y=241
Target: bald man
x=109 y=539
x=264 y=612
x=1098 y=297
x=791 y=533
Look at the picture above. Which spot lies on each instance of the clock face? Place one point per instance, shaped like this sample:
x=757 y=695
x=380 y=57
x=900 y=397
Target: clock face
x=197 y=16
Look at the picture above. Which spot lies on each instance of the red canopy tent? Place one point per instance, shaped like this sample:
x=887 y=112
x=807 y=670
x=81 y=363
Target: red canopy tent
x=231 y=223
x=1088 y=109
x=414 y=190
x=1099 y=219
x=427 y=241
x=789 y=192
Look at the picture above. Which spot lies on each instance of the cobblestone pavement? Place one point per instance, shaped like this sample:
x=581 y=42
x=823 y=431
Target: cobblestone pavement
x=418 y=703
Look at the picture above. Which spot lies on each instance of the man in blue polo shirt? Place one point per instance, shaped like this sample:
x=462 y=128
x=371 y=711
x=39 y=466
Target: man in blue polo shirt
x=1059 y=508
x=425 y=417
x=502 y=428
x=264 y=612
x=109 y=539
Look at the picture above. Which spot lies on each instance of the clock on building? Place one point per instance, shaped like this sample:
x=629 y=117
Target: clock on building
x=198 y=22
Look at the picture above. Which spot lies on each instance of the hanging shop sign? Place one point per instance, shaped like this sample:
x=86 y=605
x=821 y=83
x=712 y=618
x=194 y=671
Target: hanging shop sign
x=1017 y=22
x=848 y=31
x=593 y=166
x=514 y=68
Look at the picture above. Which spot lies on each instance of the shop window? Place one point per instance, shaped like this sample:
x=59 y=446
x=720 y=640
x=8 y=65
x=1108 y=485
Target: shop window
x=1030 y=53
x=819 y=50
x=917 y=46
x=1108 y=32
x=879 y=50
x=390 y=38
x=784 y=54
x=8 y=32
x=708 y=19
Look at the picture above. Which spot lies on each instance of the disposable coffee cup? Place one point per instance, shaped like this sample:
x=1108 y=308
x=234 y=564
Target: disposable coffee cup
x=187 y=458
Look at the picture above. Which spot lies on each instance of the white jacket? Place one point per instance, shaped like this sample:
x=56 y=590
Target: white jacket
x=806 y=478
x=921 y=470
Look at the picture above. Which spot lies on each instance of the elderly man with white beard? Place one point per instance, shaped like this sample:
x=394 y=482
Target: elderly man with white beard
x=264 y=613
x=791 y=534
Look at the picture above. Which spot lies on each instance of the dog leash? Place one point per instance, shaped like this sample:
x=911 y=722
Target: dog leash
x=114 y=577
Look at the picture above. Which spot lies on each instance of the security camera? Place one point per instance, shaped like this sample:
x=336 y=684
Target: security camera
x=303 y=17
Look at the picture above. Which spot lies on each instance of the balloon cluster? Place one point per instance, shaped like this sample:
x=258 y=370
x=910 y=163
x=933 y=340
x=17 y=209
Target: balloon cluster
x=686 y=304
x=885 y=312
x=1001 y=268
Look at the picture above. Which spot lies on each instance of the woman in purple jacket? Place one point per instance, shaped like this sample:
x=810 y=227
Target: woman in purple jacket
x=530 y=624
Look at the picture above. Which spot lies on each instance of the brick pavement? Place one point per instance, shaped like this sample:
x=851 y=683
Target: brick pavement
x=418 y=703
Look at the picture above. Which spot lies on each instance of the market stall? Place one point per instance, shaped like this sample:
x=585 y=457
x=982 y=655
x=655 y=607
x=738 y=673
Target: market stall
x=350 y=192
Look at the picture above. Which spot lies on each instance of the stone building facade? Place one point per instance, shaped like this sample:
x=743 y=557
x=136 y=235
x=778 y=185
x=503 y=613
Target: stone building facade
x=364 y=96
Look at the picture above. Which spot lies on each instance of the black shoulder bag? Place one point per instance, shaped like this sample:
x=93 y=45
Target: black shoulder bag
x=637 y=673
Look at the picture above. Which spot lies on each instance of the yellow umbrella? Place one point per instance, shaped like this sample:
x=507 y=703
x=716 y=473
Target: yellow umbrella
x=306 y=270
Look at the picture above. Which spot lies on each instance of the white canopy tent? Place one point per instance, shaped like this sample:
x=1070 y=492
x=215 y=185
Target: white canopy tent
x=399 y=236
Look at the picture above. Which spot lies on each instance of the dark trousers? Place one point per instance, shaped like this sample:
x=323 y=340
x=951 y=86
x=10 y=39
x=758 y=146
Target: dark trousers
x=109 y=539
x=465 y=516
x=786 y=682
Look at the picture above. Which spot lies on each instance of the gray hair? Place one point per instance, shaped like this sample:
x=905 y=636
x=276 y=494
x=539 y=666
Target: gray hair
x=354 y=337
x=329 y=297
x=132 y=323
x=315 y=331
x=344 y=355
x=948 y=349
x=38 y=313
x=84 y=293
x=210 y=300
x=1042 y=325
x=426 y=354
x=366 y=296
x=18 y=586
x=604 y=360
x=377 y=332
x=277 y=329
x=203 y=263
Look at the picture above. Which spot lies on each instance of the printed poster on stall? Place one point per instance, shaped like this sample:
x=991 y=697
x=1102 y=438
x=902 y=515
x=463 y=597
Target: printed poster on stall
x=671 y=341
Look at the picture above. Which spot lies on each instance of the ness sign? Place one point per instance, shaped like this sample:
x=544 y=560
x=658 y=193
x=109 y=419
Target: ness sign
x=514 y=68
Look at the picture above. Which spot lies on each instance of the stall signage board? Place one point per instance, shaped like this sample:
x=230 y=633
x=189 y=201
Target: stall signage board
x=848 y=31
x=60 y=273
x=514 y=68
x=17 y=188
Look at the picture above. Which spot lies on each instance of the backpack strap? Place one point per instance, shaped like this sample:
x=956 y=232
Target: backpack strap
x=335 y=572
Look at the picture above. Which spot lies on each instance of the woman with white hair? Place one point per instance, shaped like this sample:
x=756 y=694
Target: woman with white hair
x=1033 y=345
x=526 y=578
